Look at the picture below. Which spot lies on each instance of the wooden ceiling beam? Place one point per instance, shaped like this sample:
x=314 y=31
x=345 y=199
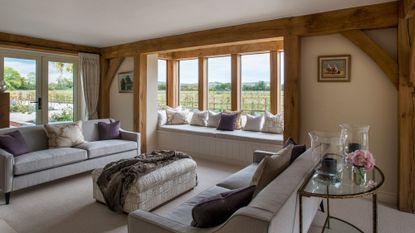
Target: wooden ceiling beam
x=27 y=42
x=377 y=53
x=226 y=50
x=366 y=17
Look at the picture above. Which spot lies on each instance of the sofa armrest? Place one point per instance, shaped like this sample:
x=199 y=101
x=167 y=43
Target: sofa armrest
x=6 y=171
x=260 y=154
x=141 y=221
x=131 y=136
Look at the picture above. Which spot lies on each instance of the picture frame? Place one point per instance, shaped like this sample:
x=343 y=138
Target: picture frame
x=126 y=82
x=334 y=68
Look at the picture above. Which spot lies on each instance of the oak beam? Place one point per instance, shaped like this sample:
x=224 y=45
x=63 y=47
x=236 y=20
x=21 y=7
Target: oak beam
x=274 y=86
x=226 y=50
x=365 y=17
x=108 y=72
x=236 y=82
x=27 y=42
x=140 y=98
x=292 y=51
x=377 y=53
x=172 y=83
x=203 y=84
x=409 y=8
x=406 y=115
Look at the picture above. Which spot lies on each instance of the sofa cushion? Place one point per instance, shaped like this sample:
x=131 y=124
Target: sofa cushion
x=239 y=179
x=213 y=119
x=109 y=130
x=270 y=167
x=177 y=117
x=45 y=159
x=107 y=147
x=65 y=135
x=183 y=213
x=253 y=123
x=273 y=123
x=250 y=136
x=14 y=143
x=215 y=210
x=205 y=131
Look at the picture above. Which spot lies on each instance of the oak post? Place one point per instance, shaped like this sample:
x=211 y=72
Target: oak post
x=140 y=98
x=236 y=82
x=274 y=87
x=172 y=83
x=292 y=50
x=203 y=84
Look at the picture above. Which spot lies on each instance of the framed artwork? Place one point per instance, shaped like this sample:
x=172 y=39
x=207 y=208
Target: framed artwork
x=125 y=82
x=335 y=68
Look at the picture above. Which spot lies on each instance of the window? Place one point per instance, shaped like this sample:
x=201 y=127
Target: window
x=255 y=83
x=162 y=84
x=219 y=81
x=188 y=83
x=42 y=87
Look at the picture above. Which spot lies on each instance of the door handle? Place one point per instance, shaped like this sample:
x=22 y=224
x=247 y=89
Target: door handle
x=38 y=102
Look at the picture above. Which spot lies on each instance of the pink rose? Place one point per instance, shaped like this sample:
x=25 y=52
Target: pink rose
x=362 y=158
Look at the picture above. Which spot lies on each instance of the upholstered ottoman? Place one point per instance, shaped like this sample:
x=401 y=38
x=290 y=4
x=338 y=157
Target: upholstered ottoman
x=156 y=187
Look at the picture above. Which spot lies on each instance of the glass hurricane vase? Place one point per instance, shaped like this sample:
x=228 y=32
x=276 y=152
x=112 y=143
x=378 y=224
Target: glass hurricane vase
x=354 y=138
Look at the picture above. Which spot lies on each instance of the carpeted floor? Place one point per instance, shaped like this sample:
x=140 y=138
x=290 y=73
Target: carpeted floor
x=67 y=206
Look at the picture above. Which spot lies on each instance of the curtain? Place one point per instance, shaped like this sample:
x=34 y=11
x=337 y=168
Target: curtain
x=90 y=80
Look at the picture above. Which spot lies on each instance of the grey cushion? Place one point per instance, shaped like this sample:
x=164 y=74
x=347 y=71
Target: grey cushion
x=44 y=159
x=183 y=213
x=200 y=130
x=242 y=135
x=90 y=129
x=239 y=179
x=107 y=147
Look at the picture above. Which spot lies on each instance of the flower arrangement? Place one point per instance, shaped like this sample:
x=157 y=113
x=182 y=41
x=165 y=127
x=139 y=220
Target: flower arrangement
x=360 y=158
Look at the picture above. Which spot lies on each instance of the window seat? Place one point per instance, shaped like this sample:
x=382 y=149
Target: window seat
x=235 y=147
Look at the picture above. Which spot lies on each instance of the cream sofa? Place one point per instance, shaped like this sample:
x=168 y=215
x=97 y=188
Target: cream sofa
x=43 y=164
x=275 y=209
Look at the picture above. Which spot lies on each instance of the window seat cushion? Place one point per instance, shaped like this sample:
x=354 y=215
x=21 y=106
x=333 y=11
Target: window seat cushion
x=239 y=135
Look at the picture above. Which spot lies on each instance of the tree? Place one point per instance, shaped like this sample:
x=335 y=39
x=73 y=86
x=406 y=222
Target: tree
x=13 y=79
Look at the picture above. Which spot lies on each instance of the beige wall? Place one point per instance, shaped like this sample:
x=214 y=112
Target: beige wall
x=121 y=104
x=370 y=98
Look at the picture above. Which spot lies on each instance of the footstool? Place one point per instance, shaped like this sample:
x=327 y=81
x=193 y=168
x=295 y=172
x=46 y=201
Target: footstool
x=156 y=187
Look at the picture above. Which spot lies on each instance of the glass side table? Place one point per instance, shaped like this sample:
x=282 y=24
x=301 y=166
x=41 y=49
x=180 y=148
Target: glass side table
x=341 y=188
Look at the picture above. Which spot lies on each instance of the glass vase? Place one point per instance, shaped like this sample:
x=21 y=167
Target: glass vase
x=354 y=138
x=327 y=145
x=359 y=175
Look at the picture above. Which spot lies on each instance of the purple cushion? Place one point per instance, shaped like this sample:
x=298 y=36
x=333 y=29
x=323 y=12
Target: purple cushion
x=297 y=149
x=109 y=130
x=14 y=143
x=227 y=121
x=215 y=210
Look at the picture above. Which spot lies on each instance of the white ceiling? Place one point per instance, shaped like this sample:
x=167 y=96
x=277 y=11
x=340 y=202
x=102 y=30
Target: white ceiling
x=109 y=22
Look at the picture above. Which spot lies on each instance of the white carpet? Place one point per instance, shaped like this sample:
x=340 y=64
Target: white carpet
x=67 y=206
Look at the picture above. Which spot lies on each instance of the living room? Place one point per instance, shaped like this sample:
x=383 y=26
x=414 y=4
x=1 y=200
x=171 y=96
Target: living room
x=308 y=67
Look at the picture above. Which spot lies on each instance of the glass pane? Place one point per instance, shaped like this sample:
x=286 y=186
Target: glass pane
x=189 y=78
x=162 y=78
x=255 y=78
x=20 y=79
x=219 y=77
x=60 y=92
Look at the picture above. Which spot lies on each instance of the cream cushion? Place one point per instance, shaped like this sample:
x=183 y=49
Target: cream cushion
x=199 y=118
x=253 y=123
x=177 y=117
x=65 y=135
x=213 y=119
x=273 y=123
x=270 y=167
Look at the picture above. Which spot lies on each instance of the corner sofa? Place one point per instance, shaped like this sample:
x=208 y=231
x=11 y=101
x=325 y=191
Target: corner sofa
x=274 y=209
x=43 y=164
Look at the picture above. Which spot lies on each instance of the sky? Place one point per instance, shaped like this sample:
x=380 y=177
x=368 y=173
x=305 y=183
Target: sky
x=25 y=66
x=254 y=68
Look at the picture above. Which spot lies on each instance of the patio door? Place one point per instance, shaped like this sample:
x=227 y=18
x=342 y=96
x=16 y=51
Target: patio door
x=43 y=88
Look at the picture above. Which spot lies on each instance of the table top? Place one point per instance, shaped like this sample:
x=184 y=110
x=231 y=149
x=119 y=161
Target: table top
x=343 y=186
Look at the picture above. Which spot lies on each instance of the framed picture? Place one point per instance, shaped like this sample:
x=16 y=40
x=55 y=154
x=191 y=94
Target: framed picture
x=334 y=68
x=125 y=82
